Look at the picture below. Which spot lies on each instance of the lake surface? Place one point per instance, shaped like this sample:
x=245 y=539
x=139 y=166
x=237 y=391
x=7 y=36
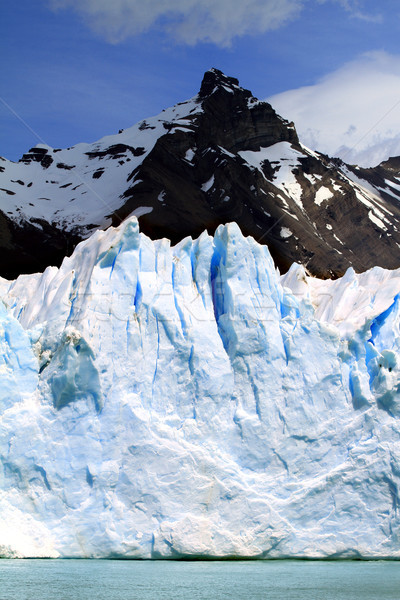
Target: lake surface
x=163 y=580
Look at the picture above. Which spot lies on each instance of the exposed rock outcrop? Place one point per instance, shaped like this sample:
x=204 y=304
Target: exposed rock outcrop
x=222 y=156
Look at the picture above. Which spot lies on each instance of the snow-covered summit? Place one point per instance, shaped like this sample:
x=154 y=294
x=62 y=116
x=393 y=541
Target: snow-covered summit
x=221 y=156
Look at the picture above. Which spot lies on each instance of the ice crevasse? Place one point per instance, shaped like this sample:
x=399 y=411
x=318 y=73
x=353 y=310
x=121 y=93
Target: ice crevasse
x=160 y=401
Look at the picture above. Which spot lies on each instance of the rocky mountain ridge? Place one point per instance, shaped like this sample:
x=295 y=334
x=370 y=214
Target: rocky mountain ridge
x=222 y=156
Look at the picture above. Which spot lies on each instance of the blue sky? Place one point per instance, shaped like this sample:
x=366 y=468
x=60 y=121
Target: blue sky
x=75 y=70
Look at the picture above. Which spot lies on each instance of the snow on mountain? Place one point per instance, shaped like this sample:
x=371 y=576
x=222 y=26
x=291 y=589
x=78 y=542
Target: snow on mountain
x=164 y=401
x=76 y=188
x=222 y=156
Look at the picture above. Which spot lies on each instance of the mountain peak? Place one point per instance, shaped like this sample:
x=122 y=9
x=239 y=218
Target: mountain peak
x=220 y=156
x=215 y=79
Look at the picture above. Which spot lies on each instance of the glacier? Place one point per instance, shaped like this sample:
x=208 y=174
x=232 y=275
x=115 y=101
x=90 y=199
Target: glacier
x=189 y=401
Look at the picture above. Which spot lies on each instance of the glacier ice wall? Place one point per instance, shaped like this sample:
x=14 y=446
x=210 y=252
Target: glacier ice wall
x=167 y=402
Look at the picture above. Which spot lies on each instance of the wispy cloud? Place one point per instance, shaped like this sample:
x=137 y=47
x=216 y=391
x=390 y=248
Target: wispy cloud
x=353 y=112
x=193 y=21
x=356 y=9
x=188 y=21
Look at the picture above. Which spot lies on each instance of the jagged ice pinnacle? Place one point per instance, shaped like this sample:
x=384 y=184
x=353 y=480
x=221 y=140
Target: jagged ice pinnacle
x=162 y=401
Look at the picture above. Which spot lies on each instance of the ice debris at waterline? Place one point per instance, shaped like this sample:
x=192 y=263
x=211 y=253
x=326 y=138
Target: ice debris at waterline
x=166 y=402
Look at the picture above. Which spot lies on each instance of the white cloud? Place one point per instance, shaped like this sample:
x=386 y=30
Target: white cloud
x=188 y=21
x=356 y=10
x=353 y=112
x=193 y=21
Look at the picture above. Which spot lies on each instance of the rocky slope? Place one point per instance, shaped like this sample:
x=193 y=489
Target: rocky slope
x=221 y=156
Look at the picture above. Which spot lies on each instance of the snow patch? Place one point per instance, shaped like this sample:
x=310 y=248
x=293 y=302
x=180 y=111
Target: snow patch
x=285 y=232
x=285 y=158
x=376 y=220
x=208 y=184
x=322 y=195
x=141 y=210
x=189 y=155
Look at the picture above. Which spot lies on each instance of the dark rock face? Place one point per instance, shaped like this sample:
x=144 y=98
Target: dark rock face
x=39 y=155
x=327 y=237
x=27 y=248
x=232 y=120
x=116 y=151
x=230 y=158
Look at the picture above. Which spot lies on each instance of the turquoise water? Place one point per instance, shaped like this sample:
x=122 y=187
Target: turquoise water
x=161 y=580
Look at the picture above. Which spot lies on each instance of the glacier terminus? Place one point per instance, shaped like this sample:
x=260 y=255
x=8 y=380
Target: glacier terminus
x=164 y=401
